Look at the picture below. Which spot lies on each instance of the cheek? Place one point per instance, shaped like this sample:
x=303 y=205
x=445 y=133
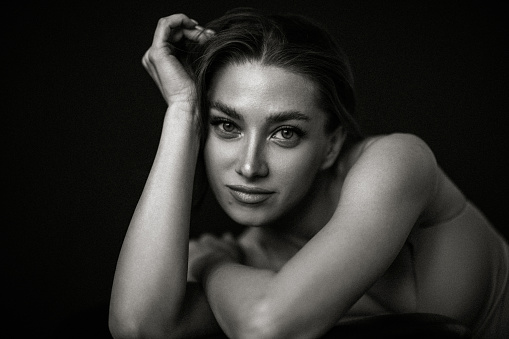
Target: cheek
x=294 y=169
x=290 y=168
x=218 y=157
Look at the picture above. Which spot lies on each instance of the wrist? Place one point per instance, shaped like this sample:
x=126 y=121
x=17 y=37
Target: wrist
x=182 y=121
x=182 y=114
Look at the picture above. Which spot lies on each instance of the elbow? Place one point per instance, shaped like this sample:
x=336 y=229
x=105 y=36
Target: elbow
x=123 y=325
x=120 y=327
x=119 y=330
x=262 y=323
x=267 y=321
x=124 y=330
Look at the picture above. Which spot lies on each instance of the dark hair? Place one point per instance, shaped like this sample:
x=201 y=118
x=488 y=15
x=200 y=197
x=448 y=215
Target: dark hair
x=292 y=42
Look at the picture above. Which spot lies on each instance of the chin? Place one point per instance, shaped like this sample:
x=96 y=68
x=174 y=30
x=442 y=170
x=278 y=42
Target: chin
x=251 y=219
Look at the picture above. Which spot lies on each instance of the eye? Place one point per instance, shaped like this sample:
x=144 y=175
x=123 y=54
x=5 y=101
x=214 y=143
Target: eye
x=228 y=126
x=224 y=128
x=286 y=133
x=288 y=136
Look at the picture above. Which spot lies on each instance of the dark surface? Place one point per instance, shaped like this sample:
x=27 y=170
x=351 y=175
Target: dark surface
x=83 y=122
x=92 y=323
x=401 y=326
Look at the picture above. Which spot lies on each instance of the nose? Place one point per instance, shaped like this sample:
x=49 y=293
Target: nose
x=251 y=162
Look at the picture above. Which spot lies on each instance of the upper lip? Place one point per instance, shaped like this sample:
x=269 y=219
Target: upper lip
x=249 y=189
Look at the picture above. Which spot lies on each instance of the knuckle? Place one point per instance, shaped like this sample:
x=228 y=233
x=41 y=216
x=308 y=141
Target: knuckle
x=162 y=21
x=153 y=54
x=207 y=238
x=165 y=21
x=144 y=59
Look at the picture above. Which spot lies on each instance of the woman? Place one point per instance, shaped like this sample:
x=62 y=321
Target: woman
x=339 y=226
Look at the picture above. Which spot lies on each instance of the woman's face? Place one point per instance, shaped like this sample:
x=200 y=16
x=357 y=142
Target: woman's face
x=266 y=141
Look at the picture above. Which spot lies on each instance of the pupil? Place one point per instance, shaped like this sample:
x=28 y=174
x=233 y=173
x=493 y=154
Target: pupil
x=286 y=133
x=228 y=127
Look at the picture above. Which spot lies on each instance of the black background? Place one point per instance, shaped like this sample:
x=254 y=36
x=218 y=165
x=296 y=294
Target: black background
x=83 y=122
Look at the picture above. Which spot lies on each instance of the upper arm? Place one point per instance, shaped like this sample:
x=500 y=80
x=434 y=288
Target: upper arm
x=388 y=187
x=382 y=197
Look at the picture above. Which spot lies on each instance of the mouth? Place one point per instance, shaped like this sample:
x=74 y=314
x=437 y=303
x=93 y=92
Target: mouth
x=249 y=195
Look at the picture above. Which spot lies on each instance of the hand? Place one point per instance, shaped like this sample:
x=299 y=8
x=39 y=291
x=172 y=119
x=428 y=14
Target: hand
x=209 y=251
x=163 y=66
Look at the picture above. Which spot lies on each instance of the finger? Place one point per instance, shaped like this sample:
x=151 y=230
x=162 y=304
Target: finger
x=166 y=25
x=214 y=242
x=225 y=245
x=208 y=238
x=193 y=244
x=198 y=34
x=173 y=22
x=228 y=237
x=193 y=249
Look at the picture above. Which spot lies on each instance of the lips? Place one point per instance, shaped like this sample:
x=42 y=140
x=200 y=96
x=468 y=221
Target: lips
x=249 y=195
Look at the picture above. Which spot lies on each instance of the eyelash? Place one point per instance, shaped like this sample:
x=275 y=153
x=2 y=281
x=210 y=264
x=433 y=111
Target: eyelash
x=300 y=133
x=216 y=121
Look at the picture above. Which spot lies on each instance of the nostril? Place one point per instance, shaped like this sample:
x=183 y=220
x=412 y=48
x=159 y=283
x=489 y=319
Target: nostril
x=252 y=162
x=253 y=169
x=247 y=169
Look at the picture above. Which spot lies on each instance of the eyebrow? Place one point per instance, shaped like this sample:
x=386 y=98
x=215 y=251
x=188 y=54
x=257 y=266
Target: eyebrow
x=229 y=111
x=274 y=118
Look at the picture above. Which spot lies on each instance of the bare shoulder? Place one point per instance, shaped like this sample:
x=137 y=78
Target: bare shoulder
x=399 y=145
x=400 y=161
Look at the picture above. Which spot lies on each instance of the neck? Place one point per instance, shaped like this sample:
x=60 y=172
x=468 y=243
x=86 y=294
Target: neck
x=313 y=212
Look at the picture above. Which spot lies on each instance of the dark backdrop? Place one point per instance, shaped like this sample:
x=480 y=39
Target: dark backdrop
x=83 y=122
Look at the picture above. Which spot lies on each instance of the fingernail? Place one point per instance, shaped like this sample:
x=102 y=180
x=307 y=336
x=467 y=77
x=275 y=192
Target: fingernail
x=195 y=22
x=209 y=31
x=199 y=27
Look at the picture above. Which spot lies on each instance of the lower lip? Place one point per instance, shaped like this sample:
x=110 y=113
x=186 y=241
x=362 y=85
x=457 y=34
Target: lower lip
x=249 y=198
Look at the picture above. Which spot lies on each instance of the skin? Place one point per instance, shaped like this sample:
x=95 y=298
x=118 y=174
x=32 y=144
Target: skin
x=260 y=152
x=380 y=228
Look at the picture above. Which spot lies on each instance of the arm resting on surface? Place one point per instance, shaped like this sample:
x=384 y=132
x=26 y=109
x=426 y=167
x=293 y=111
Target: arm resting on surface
x=382 y=197
x=150 y=296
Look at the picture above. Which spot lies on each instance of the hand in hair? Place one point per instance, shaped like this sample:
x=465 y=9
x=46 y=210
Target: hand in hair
x=161 y=61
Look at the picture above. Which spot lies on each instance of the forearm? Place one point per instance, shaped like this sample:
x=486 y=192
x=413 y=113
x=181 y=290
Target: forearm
x=258 y=303
x=150 y=280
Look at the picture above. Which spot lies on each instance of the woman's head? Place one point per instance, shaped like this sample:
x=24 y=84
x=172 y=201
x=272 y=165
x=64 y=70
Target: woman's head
x=276 y=96
x=290 y=42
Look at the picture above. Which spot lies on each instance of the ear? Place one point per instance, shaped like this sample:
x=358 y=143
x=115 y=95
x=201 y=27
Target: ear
x=335 y=140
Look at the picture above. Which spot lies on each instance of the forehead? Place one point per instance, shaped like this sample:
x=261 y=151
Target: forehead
x=252 y=86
